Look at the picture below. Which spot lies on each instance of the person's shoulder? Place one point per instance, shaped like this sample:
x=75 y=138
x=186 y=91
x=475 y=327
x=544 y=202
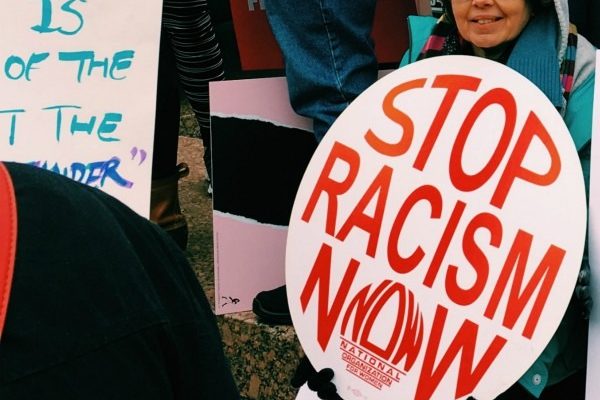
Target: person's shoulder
x=578 y=115
x=419 y=29
x=422 y=22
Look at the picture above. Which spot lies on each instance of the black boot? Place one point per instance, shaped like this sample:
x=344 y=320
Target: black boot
x=271 y=307
x=164 y=205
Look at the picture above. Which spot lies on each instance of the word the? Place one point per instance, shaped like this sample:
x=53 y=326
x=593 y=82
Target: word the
x=107 y=125
x=88 y=63
x=104 y=130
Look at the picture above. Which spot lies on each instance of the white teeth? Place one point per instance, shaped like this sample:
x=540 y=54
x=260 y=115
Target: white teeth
x=484 y=21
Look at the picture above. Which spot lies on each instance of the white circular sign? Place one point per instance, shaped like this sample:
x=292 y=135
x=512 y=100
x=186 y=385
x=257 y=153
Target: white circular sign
x=437 y=234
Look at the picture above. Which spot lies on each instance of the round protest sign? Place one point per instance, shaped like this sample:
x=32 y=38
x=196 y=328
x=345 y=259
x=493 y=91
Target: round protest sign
x=437 y=234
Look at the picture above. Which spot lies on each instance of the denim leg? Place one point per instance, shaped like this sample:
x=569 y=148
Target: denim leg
x=328 y=52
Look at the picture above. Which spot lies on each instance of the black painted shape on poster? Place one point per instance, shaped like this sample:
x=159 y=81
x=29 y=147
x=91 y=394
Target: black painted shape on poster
x=257 y=167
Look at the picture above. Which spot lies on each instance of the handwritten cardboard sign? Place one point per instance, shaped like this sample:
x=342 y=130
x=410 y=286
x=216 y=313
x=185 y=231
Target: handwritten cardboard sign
x=593 y=365
x=78 y=93
x=437 y=234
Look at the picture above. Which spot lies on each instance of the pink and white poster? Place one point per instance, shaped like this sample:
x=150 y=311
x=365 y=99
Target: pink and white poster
x=260 y=149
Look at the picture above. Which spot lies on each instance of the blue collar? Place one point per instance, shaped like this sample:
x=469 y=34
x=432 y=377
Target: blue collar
x=535 y=56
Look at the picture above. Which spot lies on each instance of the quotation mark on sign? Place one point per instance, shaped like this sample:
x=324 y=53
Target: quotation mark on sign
x=139 y=152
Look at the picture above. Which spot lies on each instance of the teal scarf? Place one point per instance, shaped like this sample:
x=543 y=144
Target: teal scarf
x=534 y=54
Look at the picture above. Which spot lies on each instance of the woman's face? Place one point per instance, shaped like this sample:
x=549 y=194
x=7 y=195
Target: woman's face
x=489 y=23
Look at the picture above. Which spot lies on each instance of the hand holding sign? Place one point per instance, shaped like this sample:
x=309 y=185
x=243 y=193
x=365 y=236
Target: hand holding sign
x=437 y=234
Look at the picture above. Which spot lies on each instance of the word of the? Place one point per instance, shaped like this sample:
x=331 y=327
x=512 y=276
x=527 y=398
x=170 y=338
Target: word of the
x=18 y=67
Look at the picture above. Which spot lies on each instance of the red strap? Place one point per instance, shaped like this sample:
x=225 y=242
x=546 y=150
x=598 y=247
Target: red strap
x=8 y=240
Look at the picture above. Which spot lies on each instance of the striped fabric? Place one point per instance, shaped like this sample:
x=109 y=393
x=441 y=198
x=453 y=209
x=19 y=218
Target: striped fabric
x=445 y=40
x=196 y=50
x=567 y=68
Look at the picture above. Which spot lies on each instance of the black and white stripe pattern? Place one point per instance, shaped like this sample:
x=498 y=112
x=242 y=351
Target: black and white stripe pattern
x=196 y=51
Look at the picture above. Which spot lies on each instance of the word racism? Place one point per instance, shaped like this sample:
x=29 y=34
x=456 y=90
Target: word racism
x=511 y=292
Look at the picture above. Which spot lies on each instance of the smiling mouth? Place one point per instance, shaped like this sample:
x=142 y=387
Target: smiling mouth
x=483 y=21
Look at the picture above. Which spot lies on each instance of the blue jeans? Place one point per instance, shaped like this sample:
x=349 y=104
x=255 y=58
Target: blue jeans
x=328 y=52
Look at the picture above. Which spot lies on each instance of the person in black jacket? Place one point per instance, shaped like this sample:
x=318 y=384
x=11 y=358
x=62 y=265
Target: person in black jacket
x=104 y=305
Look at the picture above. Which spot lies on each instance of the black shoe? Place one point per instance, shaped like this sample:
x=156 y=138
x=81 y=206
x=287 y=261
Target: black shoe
x=271 y=307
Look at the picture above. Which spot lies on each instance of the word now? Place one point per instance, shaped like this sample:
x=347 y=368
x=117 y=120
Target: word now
x=96 y=173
